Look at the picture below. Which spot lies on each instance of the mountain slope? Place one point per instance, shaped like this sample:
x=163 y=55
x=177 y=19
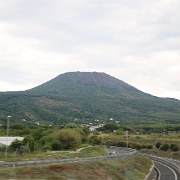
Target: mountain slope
x=86 y=97
x=86 y=84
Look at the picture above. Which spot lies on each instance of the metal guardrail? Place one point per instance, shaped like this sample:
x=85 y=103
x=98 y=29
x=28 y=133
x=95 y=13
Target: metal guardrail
x=169 y=162
x=130 y=152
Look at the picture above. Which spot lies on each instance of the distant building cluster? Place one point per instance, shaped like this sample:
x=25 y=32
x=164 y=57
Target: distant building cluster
x=93 y=128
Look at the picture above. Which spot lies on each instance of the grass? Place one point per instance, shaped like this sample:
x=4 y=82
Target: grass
x=170 y=138
x=86 y=151
x=161 y=153
x=134 y=168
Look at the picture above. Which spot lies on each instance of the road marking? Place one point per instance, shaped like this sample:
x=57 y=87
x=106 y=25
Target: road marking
x=169 y=168
x=159 y=173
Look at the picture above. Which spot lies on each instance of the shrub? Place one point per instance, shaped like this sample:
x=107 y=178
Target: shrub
x=164 y=147
x=119 y=132
x=121 y=144
x=46 y=147
x=95 y=140
x=174 y=147
x=158 y=144
x=16 y=144
x=134 y=145
x=29 y=142
x=69 y=138
x=55 y=145
x=143 y=146
x=149 y=146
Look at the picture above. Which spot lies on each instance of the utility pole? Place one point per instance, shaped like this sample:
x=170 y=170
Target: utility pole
x=164 y=137
x=8 y=117
x=127 y=134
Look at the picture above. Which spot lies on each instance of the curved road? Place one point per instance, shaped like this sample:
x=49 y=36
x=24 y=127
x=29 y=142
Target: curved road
x=168 y=169
x=165 y=172
x=117 y=152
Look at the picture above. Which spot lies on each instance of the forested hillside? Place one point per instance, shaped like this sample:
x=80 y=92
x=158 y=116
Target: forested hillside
x=86 y=98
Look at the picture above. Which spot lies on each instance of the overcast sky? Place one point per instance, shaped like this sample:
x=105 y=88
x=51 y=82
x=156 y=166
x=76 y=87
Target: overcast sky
x=135 y=41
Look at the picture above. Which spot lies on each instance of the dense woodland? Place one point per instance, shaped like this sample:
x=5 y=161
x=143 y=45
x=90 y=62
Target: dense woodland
x=52 y=109
x=87 y=98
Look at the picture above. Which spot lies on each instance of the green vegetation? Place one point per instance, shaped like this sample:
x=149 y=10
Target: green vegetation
x=135 y=167
x=69 y=138
x=49 y=117
x=53 y=142
x=51 y=109
x=174 y=147
x=40 y=139
x=84 y=98
x=44 y=138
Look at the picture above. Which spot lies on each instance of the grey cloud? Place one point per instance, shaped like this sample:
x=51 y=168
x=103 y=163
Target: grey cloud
x=132 y=40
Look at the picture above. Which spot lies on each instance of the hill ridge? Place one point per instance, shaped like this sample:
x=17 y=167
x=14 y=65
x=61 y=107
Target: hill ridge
x=86 y=97
x=61 y=83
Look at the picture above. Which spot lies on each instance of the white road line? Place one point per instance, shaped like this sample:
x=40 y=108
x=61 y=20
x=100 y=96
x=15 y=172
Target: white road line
x=159 y=173
x=169 y=168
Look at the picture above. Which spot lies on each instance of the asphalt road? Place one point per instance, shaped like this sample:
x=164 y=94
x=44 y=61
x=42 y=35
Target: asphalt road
x=168 y=169
x=119 y=153
x=165 y=172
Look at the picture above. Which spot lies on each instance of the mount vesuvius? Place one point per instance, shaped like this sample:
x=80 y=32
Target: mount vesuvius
x=87 y=97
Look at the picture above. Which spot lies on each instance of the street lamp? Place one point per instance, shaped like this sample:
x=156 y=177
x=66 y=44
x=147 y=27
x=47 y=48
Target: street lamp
x=8 y=117
x=164 y=137
x=127 y=134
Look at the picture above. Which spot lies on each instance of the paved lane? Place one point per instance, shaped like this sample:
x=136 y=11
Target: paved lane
x=166 y=173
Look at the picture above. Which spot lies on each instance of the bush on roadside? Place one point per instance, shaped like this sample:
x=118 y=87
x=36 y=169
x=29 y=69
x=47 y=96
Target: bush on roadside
x=164 y=147
x=134 y=145
x=158 y=144
x=121 y=144
x=56 y=145
x=174 y=147
x=46 y=148
x=149 y=146
x=95 y=140
x=69 y=138
x=16 y=144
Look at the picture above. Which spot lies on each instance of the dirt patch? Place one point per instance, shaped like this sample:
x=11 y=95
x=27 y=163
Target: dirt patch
x=59 y=168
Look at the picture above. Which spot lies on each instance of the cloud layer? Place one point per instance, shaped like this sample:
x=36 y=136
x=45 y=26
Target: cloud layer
x=135 y=41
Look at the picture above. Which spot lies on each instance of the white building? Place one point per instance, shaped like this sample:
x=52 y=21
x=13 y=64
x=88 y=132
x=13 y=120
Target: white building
x=8 y=140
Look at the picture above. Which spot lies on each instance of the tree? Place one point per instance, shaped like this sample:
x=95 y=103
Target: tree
x=16 y=144
x=164 y=147
x=110 y=127
x=95 y=140
x=71 y=126
x=69 y=138
x=38 y=134
x=56 y=145
x=119 y=132
x=17 y=126
x=29 y=142
x=82 y=133
x=45 y=140
x=174 y=147
x=158 y=144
